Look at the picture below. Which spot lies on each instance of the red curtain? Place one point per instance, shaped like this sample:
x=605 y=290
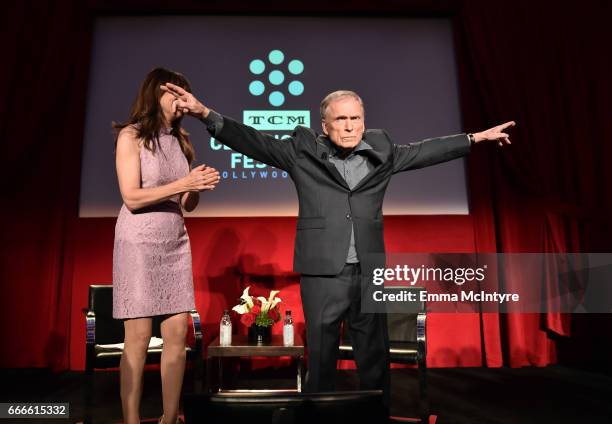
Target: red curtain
x=542 y=64
x=43 y=92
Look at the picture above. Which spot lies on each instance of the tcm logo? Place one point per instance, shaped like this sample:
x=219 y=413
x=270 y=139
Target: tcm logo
x=267 y=120
x=280 y=75
x=274 y=80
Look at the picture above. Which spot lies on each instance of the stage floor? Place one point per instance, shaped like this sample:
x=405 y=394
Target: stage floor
x=457 y=395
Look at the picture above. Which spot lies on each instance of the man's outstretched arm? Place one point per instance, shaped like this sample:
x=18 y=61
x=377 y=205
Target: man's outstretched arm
x=437 y=150
x=241 y=138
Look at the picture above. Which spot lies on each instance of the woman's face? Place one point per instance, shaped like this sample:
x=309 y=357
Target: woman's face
x=167 y=103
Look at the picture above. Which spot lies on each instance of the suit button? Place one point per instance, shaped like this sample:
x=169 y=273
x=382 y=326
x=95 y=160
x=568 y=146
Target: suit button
x=348 y=216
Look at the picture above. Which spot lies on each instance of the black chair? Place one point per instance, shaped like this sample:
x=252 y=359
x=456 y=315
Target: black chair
x=407 y=345
x=103 y=329
x=353 y=407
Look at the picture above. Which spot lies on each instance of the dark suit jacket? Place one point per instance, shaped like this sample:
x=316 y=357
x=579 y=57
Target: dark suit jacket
x=327 y=206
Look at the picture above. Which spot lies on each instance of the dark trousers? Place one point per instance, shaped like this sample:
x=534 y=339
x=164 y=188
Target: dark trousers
x=327 y=301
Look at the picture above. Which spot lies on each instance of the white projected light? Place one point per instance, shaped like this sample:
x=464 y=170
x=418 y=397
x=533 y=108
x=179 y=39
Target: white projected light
x=271 y=73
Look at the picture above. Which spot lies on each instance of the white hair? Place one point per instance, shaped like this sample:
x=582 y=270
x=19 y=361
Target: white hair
x=335 y=96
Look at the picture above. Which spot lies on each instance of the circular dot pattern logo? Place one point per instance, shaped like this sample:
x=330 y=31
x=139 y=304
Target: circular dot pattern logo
x=280 y=75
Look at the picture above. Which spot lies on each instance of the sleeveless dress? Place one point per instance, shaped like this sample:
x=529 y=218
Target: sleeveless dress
x=152 y=272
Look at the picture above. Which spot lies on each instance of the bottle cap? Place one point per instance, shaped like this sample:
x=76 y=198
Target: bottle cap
x=226 y=312
x=287 y=312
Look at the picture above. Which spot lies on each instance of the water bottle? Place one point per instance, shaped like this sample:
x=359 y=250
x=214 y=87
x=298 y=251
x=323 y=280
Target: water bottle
x=225 y=329
x=288 y=329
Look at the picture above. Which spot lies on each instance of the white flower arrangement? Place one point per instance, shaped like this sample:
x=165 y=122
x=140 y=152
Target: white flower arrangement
x=259 y=311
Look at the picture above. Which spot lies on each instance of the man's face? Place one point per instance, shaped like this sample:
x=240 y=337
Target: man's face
x=343 y=122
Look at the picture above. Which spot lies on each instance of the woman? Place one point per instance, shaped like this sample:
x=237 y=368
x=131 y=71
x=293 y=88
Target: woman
x=152 y=273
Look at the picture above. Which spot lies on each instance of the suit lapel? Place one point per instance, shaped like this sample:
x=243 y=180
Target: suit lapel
x=377 y=159
x=323 y=152
x=369 y=176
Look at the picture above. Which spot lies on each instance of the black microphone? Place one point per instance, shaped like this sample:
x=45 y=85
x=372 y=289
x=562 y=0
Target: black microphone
x=324 y=156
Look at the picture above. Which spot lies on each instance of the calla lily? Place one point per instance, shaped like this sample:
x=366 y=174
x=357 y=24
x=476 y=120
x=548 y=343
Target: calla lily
x=247 y=298
x=265 y=305
x=270 y=302
x=275 y=301
x=272 y=294
x=241 y=309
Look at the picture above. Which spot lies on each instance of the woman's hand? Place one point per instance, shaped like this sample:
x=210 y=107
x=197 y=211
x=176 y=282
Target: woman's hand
x=185 y=101
x=201 y=178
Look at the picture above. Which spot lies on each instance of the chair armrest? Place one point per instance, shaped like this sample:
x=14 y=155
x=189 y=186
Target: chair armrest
x=197 y=328
x=422 y=365
x=90 y=339
x=199 y=366
x=421 y=336
x=90 y=327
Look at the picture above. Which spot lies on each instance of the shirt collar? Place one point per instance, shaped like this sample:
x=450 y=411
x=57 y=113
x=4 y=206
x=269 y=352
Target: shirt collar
x=360 y=147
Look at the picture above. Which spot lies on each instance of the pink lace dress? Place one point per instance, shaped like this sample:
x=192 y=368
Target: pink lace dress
x=152 y=272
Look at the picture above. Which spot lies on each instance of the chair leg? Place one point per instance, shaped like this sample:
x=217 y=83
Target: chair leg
x=88 y=395
x=198 y=377
x=300 y=362
x=423 y=396
x=208 y=375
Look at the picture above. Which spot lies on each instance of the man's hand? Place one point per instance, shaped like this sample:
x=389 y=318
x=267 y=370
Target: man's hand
x=495 y=134
x=185 y=101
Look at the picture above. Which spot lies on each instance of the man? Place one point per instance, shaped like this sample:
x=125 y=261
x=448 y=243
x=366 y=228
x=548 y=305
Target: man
x=341 y=178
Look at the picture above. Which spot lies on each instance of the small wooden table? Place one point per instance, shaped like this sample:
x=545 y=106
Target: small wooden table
x=241 y=347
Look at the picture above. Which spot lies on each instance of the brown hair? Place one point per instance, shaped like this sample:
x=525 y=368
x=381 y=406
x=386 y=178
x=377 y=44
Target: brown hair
x=147 y=117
